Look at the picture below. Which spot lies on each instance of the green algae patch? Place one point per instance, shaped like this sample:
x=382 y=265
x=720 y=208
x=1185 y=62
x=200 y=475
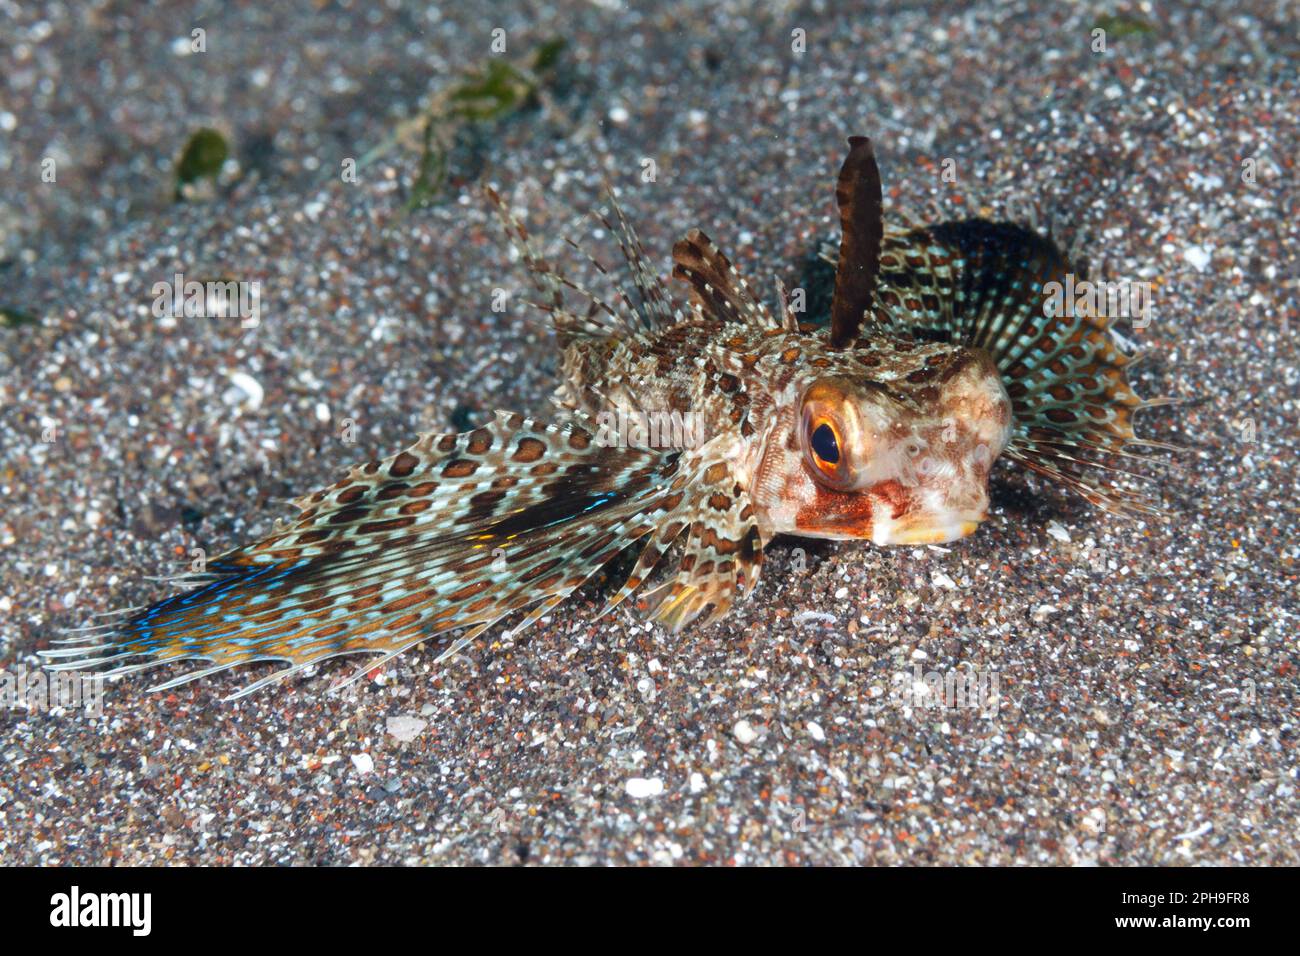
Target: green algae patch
x=202 y=158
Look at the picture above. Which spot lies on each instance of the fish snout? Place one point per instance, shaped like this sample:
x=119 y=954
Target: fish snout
x=949 y=506
x=928 y=532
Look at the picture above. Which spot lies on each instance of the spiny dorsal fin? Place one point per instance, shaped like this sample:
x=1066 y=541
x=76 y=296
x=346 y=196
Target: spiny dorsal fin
x=861 y=230
x=637 y=312
x=601 y=319
x=715 y=285
x=652 y=312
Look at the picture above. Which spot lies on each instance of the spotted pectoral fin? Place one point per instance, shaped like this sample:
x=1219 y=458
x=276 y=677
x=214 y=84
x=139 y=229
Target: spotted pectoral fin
x=722 y=557
x=454 y=532
x=989 y=285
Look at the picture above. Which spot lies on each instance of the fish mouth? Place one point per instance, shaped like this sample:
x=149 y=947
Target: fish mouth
x=928 y=533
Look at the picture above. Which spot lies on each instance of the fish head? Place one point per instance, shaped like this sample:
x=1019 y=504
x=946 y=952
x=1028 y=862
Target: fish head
x=896 y=459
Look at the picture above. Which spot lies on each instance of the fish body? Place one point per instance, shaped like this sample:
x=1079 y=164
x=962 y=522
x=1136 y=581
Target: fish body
x=708 y=427
x=935 y=415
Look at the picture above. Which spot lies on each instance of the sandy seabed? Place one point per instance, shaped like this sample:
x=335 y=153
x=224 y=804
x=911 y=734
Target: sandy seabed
x=1147 y=670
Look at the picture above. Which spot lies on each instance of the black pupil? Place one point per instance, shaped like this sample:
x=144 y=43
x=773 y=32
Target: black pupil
x=823 y=443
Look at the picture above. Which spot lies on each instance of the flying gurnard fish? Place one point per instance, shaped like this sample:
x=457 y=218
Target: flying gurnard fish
x=941 y=355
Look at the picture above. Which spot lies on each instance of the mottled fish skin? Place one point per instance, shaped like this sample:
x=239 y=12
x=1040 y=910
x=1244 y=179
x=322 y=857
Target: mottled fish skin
x=940 y=357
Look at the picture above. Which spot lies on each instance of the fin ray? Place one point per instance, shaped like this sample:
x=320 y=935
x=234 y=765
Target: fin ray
x=454 y=532
x=986 y=284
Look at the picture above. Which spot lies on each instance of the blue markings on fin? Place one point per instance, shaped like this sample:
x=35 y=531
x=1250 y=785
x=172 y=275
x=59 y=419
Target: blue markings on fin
x=207 y=598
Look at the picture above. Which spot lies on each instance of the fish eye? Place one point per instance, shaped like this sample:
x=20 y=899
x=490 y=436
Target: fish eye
x=827 y=434
x=826 y=452
x=825 y=445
